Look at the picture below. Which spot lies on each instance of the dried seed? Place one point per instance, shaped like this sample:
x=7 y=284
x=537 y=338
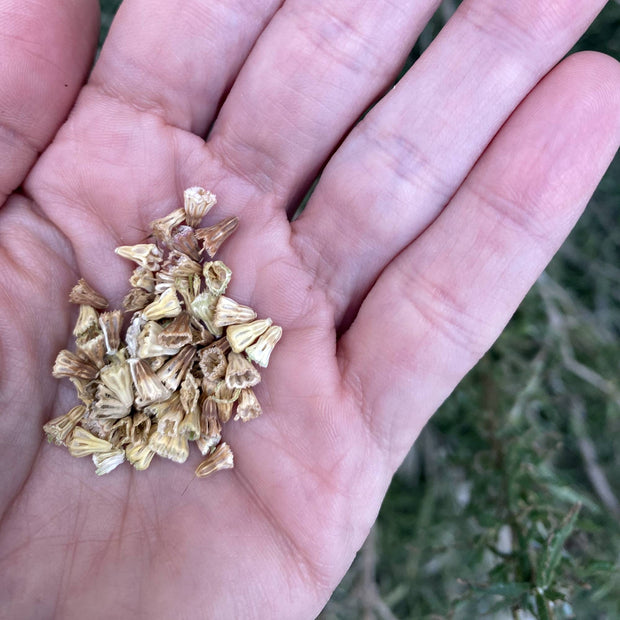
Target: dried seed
x=69 y=364
x=229 y=312
x=240 y=373
x=93 y=350
x=149 y=388
x=213 y=363
x=203 y=307
x=174 y=370
x=210 y=427
x=149 y=344
x=197 y=202
x=261 y=350
x=184 y=240
x=136 y=299
x=175 y=448
x=87 y=324
x=177 y=333
x=190 y=426
x=146 y=255
x=213 y=236
x=164 y=306
x=248 y=406
x=110 y=323
x=221 y=458
x=82 y=443
x=58 y=429
x=162 y=228
x=105 y=462
x=84 y=294
x=217 y=276
x=139 y=455
x=117 y=378
x=225 y=398
x=143 y=278
x=242 y=336
x=107 y=405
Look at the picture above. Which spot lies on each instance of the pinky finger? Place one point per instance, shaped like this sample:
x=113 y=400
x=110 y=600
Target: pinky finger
x=442 y=302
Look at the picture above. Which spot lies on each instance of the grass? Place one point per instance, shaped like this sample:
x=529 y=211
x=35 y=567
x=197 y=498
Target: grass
x=507 y=506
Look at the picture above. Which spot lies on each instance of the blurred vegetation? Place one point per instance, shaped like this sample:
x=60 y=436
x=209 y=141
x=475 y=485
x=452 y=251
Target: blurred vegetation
x=507 y=506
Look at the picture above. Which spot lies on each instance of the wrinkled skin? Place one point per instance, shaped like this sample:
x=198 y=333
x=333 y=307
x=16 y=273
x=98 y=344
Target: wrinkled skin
x=431 y=221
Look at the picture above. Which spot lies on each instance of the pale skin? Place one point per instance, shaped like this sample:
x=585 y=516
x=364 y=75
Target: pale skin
x=431 y=221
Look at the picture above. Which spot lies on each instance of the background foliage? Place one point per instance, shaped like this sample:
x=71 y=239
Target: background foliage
x=507 y=506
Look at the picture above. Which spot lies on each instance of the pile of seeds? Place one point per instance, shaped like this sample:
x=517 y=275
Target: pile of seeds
x=187 y=362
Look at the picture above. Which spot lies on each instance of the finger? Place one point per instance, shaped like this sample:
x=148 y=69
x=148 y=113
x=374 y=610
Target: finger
x=176 y=58
x=46 y=48
x=415 y=148
x=442 y=302
x=314 y=70
x=36 y=268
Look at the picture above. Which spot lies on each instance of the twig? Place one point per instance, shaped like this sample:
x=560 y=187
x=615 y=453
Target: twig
x=557 y=323
x=373 y=605
x=595 y=473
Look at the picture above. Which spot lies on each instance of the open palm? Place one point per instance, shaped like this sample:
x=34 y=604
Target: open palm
x=429 y=224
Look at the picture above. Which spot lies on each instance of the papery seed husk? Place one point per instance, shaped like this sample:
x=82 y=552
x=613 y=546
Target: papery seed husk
x=164 y=306
x=120 y=434
x=105 y=462
x=210 y=427
x=69 y=364
x=59 y=428
x=84 y=294
x=213 y=236
x=148 y=386
x=162 y=228
x=87 y=324
x=110 y=323
x=117 y=377
x=184 y=240
x=248 y=406
x=201 y=336
x=242 y=336
x=228 y=312
x=178 y=332
x=107 y=405
x=188 y=289
x=197 y=202
x=133 y=332
x=140 y=427
x=203 y=307
x=174 y=370
x=181 y=266
x=93 y=349
x=137 y=299
x=149 y=344
x=221 y=458
x=139 y=455
x=217 y=276
x=213 y=363
x=225 y=399
x=157 y=410
x=85 y=389
x=143 y=278
x=175 y=448
x=190 y=426
x=146 y=255
x=261 y=350
x=82 y=443
x=240 y=373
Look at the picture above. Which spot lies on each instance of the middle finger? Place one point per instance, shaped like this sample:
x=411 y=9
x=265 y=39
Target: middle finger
x=404 y=161
x=313 y=71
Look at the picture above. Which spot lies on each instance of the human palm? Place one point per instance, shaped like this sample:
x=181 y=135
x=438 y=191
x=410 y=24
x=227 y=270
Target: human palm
x=428 y=226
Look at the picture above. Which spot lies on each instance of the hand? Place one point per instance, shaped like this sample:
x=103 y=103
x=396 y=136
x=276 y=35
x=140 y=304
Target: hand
x=429 y=224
